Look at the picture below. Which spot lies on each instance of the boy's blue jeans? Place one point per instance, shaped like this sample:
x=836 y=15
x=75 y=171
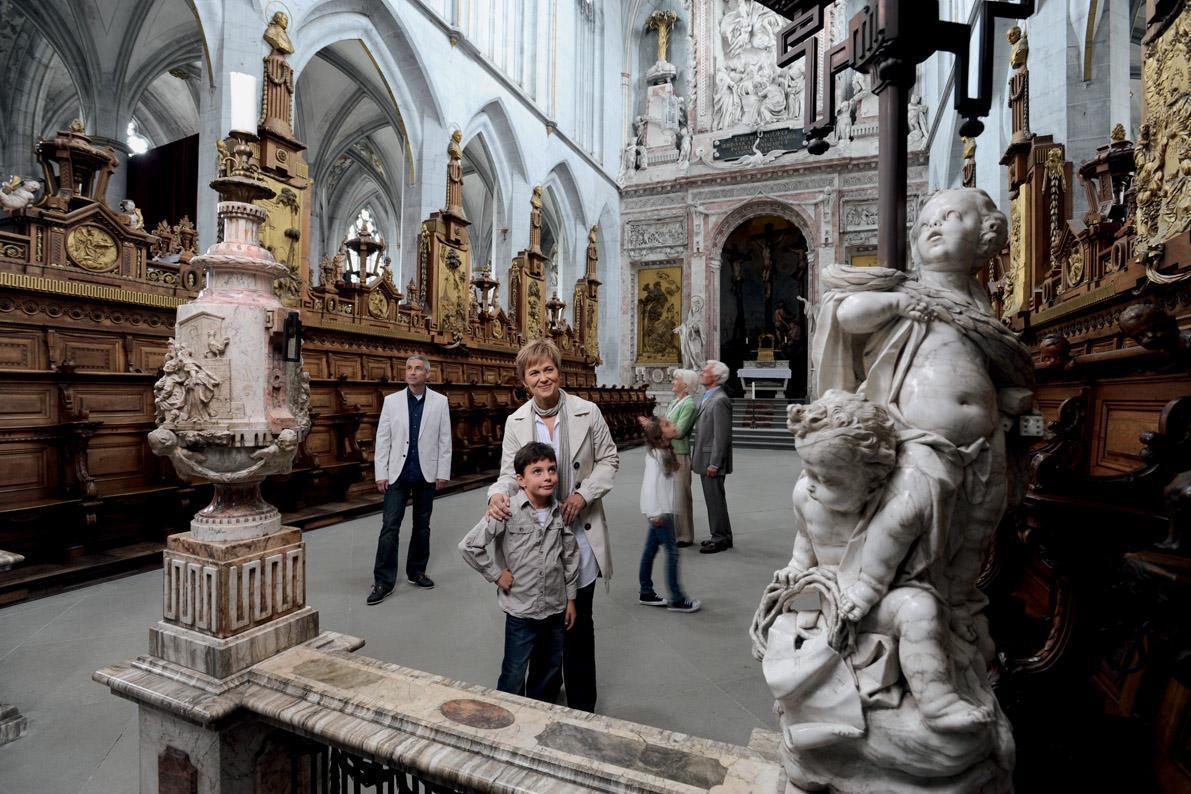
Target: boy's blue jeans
x=533 y=657
x=661 y=535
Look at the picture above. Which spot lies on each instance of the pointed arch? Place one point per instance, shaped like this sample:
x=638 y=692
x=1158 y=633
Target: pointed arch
x=391 y=49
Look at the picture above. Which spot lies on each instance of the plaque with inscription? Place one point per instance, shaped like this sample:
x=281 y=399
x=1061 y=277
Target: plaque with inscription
x=734 y=147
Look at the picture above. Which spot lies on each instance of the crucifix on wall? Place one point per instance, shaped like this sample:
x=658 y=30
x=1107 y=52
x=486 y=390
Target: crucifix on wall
x=769 y=243
x=888 y=42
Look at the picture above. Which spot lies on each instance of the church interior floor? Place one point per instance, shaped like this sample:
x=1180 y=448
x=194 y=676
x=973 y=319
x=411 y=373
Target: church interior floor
x=691 y=673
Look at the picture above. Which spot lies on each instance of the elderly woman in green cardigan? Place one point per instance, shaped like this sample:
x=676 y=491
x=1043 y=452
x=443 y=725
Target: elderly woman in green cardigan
x=682 y=415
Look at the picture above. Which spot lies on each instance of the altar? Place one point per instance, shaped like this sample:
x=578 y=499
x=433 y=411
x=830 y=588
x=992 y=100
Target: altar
x=763 y=373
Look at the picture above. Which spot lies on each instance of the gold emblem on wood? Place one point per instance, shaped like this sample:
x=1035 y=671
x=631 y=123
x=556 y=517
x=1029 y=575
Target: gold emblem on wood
x=378 y=305
x=91 y=248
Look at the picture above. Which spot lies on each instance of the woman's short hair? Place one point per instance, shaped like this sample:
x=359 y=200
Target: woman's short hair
x=537 y=350
x=690 y=378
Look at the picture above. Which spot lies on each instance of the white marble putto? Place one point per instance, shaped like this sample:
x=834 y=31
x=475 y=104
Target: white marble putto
x=872 y=638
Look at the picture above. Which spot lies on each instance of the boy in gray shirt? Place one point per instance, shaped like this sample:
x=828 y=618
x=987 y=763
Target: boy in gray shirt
x=535 y=567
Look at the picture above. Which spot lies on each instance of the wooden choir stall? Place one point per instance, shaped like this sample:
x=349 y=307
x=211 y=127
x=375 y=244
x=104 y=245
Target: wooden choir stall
x=1091 y=577
x=87 y=306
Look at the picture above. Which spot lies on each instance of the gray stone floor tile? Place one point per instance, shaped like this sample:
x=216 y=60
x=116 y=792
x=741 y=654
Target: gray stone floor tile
x=688 y=673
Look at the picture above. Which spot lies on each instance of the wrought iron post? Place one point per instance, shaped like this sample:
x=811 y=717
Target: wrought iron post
x=888 y=43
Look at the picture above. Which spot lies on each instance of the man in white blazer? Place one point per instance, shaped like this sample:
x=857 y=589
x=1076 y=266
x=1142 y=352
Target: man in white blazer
x=413 y=458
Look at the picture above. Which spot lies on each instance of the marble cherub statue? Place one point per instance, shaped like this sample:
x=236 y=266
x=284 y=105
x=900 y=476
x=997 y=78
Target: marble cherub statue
x=17 y=193
x=848 y=448
x=896 y=578
x=934 y=356
x=839 y=521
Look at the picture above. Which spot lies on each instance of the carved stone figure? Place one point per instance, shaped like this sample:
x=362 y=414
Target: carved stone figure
x=795 y=77
x=843 y=122
x=690 y=336
x=881 y=681
x=917 y=118
x=727 y=100
x=16 y=193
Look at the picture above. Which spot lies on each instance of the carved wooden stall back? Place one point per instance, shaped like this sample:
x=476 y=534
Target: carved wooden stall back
x=527 y=278
x=87 y=307
x=1090 y=582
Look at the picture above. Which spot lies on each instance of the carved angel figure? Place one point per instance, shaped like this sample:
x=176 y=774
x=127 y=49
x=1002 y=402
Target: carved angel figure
x=132 y=215
x=16 y=194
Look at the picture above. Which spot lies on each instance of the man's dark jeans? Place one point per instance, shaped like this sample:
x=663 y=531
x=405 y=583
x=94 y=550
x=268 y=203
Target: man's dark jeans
x=533 y=647
x=384 y=572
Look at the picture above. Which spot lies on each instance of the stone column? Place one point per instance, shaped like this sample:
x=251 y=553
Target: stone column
x=232 y=406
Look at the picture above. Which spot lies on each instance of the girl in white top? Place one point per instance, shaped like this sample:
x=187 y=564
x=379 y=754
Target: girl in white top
x=657 y=503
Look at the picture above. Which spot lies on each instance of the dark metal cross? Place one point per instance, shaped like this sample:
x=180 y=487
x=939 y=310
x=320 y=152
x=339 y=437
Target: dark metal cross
x=888 y=43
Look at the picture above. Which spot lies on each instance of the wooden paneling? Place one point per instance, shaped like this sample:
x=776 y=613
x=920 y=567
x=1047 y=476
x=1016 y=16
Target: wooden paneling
x=21 y=350
x=27 y=404
x=94 y=353
x=27 y=472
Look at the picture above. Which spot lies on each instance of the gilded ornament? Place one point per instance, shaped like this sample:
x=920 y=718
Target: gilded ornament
x=1162 y=153
x=92 y=248
x=1075 y=268
x=378 y=304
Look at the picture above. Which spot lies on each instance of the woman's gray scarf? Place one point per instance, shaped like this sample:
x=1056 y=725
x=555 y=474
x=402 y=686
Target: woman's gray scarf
x=563 y=489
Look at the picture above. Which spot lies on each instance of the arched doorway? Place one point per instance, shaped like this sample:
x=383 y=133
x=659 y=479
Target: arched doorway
x=763 y=280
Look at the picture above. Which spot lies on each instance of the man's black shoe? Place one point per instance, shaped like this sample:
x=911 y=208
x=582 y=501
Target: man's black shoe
x=682 y=544
x=377 y=595
x=715 y=546
x=713 y=542
x=422 y=580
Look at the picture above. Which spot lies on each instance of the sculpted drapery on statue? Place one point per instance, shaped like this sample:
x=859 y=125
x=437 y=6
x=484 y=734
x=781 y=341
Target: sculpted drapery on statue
x=881 y=680
x=277 y=111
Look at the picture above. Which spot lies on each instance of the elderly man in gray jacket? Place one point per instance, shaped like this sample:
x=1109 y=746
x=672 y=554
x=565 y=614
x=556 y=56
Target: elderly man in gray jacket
x=711 y=453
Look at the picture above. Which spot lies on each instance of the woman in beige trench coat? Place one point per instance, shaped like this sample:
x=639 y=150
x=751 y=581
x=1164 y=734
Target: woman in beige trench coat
x=587 y=463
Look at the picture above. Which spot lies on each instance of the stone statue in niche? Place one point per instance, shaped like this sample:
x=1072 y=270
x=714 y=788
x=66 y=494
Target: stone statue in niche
x=690 y=336
x=17 y=193
x=873 y=638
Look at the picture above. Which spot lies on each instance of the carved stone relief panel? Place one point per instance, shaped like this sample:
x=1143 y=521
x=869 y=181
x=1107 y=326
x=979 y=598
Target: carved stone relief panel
x=654 y=239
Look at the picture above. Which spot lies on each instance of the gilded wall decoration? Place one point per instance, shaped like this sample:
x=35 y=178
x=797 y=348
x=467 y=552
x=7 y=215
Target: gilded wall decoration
x=378 y=305
x=92 y=248
x=1013 y=287
x=533 y=309
x=1075 y=268
x=659 y=312
x=281 y=234
x=1162 y=153
x=454 y=295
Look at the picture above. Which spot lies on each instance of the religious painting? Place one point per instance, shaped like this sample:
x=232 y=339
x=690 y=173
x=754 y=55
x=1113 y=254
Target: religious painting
x=659 y=312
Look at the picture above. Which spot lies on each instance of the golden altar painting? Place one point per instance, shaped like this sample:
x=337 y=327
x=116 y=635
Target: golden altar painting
x=659 y=312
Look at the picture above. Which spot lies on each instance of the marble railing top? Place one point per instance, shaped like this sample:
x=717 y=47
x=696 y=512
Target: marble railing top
x=489 y=740
x=451 y=731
